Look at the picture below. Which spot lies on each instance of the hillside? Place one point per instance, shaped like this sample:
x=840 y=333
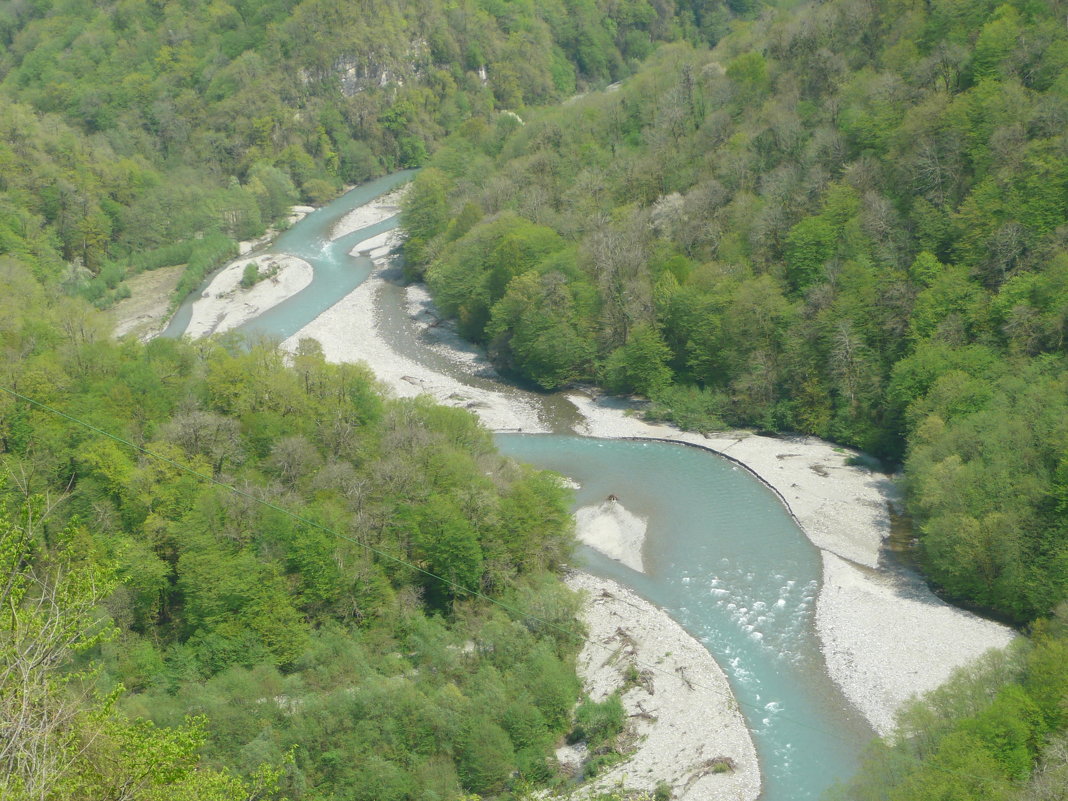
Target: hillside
x=127 y=129
x=845 y=220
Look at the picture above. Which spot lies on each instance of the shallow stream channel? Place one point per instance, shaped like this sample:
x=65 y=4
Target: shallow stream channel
x=722 y=555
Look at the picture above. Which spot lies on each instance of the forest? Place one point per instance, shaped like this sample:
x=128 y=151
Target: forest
x=131 y=131
x=844 y=219
x=279 y=551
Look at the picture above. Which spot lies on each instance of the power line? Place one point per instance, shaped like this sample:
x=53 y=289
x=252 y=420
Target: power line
x=730 y=697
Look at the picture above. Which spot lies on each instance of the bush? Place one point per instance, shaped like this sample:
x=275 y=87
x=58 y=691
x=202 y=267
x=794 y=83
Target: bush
x=251 y=275
x=598 y=723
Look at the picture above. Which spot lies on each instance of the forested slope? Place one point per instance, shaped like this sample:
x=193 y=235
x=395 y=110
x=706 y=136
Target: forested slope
x=127 y=128
x=144 y=134
x=847 y=219
x=320 y=644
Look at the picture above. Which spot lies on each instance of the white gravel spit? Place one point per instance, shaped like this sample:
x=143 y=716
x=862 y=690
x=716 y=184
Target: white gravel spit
x=378 y=246
x=682 y=713
x=610 y=528
x=885 y=636
x=379 y=209
x=225 y=304
x=870 y=621
x=348 y=332
x=446 y=342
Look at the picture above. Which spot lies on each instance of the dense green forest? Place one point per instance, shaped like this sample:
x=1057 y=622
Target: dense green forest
x=218 y=604
x=845 y=220
x=128 y=129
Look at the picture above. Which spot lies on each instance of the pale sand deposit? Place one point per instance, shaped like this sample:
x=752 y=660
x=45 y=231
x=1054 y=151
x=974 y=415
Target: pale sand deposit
x=617 y=533
x=892 y=637
x=377 y=247
x=381 y=208
x=885 y=636
x=445 y=340
x=349 y=332
x=681 y=711
x=225 y=304
x=144 y=313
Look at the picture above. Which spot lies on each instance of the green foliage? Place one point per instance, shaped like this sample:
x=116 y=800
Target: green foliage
x=978 y=736
x=250 y=276
x=842 y=224
x=60 y=739
x=126 y=131
x=387 y=680
x=486 y=759
x=640 y=365
x=597 y=723
x=475 y=271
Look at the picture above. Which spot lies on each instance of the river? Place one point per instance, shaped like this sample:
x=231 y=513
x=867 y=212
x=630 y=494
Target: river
x=723 y=556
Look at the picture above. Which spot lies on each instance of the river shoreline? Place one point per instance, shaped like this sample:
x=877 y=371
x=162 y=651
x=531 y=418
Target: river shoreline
x=884 y=635
x=669 y=752
x=680 y=709
x=348 y=332
x=867 y=617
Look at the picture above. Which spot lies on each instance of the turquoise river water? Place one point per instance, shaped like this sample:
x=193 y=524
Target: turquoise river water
x=723 y=557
